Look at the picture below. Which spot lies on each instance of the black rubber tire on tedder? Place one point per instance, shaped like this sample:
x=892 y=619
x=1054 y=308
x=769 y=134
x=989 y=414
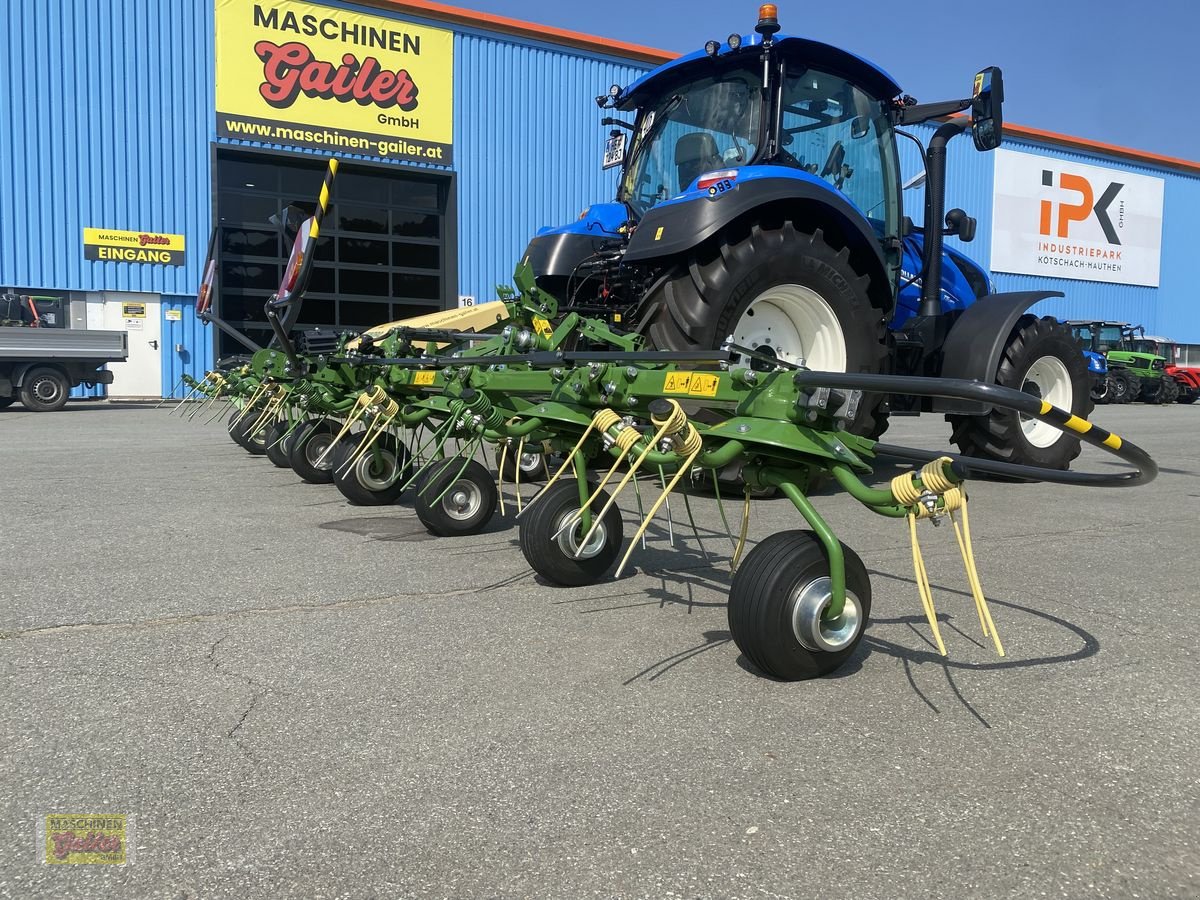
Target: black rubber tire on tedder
x=775 y=602
x=378 y=477
x=452 y=499
x=533 y=464
x=703 y=301
x=45 y=390
x=308 y=444
x=254 y=444
x=277 y=444
x=1000 y=435
x=552 y=554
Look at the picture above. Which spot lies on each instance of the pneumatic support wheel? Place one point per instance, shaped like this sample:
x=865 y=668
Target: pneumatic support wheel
x=45 y=390
x=253 y=443
x=309 y=442
x=376 y=478
x=450 y=502
x=277 y=445
x=778 y=603
x=531 y=463
x=785 y=293
x=549 y=539
x=1041 y=358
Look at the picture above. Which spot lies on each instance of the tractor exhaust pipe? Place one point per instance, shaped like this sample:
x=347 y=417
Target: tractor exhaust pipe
x=935 y=211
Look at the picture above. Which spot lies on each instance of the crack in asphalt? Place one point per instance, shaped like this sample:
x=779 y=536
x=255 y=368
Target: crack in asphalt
x=225 y=615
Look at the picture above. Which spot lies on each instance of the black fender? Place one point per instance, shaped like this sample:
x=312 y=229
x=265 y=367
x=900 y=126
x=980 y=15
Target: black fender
x=674 y=228
x=977 y=339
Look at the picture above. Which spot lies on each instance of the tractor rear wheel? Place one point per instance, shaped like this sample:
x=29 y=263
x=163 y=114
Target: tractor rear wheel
x=777 y=606
x=782 y=292
x=1041 y=359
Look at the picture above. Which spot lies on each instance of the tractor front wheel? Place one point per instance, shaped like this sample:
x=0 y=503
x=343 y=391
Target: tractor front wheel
x=1042 y=359
x=778 y=607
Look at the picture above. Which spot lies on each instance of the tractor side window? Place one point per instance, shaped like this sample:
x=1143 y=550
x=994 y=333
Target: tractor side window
x=835 y=131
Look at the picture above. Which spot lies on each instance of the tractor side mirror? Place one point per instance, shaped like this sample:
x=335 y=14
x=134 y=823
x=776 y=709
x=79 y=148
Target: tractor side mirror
x=959 y=224
x=987 y=116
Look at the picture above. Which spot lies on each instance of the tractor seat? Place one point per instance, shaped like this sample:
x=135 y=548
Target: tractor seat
x=695 y=154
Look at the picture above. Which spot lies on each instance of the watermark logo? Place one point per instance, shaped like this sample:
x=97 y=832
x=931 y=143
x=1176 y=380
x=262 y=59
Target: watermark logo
x=93 y=839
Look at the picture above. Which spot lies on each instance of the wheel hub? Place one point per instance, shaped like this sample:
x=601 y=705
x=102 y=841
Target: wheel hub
x=569 y=536
x=462 y=501
x=313 y=450
x=816 y=631
x=46 y=390
x=1046 y=379
x=795 y=324
x=377 y=474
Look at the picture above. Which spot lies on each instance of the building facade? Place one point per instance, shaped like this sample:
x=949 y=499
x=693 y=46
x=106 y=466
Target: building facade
x=162 y=124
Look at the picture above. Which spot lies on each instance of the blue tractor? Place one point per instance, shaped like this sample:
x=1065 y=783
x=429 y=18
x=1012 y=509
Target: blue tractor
x=760 y=200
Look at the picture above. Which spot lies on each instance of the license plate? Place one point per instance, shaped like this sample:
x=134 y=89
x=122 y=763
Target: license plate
x=614 y=150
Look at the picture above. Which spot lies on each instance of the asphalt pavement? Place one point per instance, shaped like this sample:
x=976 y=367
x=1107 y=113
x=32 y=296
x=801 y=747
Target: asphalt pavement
x=293 y=697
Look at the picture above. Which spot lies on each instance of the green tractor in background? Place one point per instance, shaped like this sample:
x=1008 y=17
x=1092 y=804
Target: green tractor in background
x=1140 y=357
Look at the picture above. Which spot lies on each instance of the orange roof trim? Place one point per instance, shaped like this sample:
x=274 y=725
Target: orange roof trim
x=594 y=44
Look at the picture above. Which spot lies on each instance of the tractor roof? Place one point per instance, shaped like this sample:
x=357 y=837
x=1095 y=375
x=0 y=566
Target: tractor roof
x=827 y=58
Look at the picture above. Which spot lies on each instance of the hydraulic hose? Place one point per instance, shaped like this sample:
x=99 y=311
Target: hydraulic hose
x=1005 y=398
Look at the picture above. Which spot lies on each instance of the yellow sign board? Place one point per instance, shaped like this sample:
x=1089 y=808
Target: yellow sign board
x=423 y=377
x=110 y=245
x=86 y=839
x=332 y=79
x=694 y=384
x=133 y=310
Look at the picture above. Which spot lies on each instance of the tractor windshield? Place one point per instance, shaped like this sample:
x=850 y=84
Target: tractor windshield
x=708 y=125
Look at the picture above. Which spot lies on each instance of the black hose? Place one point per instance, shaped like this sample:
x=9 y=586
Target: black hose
x=1005 y=398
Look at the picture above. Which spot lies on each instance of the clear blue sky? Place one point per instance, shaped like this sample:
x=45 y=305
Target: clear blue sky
x=1117 y=72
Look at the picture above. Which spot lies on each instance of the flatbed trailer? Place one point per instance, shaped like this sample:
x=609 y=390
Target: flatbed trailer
x=39 y=366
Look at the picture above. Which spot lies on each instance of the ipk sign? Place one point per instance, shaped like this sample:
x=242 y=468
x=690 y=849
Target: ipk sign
x=1068 y=220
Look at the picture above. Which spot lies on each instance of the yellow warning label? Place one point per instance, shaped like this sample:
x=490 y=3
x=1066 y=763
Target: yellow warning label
x=677 y=382
x=542 y=326
x=423 y=377
x=694 y=384
x=704 y=385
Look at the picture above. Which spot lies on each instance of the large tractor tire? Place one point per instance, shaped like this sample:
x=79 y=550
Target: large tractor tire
x=782 y=292
x=1125 y=386
x=1042 y=359
x=1188 y=394
x=1168 y=391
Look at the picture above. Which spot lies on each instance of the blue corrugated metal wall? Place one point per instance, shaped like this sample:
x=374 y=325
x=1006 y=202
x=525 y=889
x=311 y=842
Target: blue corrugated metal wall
x=194 y=340
x=120 y=138
x=101 y=113
x=1168 y=309
x=529 y=146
